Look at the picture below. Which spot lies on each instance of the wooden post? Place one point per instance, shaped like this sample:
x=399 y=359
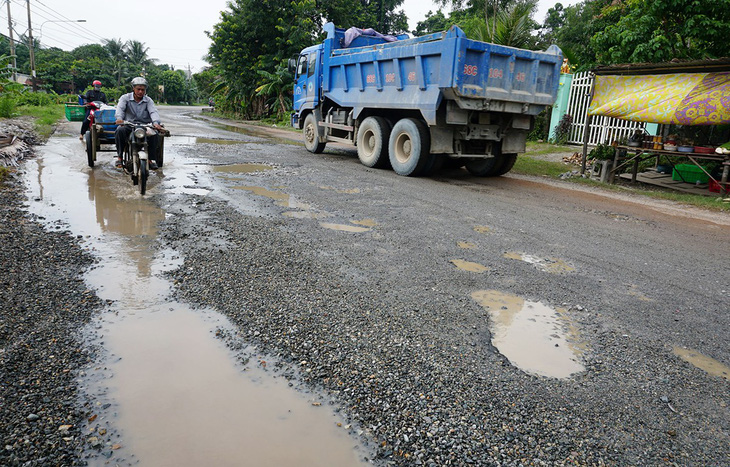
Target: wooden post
x=586 y=133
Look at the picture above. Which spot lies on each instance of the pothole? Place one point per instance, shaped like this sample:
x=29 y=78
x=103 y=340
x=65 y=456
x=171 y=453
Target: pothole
x=534 y=337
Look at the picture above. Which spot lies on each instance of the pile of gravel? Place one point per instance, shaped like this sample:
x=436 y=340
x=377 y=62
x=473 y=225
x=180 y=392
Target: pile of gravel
x=43 y=305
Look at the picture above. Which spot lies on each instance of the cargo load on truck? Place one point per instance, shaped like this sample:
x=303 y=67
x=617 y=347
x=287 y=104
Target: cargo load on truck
x=414 y=104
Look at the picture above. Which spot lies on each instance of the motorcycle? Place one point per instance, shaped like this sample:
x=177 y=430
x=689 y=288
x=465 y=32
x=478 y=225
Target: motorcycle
x=99 y=132
x=136 y=157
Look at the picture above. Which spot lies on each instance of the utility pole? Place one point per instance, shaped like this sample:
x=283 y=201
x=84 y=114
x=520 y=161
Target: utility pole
x=12 y=41
x=30 y=48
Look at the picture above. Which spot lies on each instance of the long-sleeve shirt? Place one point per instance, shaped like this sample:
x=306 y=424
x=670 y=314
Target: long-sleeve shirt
x=92 y=95
x=143 y=111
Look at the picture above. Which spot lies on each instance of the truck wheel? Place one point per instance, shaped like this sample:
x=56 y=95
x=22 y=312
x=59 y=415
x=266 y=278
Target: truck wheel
x=409 y=146
x=433 y=164
x=372 y=142
x=504 y=164
x=481 y=167
x=311 y=136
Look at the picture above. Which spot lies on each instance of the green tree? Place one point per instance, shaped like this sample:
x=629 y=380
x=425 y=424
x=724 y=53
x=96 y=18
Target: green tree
x=663 y=30
x=512 y=26
x=117 y=58
x=434 y=22
x=382 y=15
x=53 y=68
x=257 y=35
x=137 y=57
x=277 y=86
x=572 y=27
x=174 y=85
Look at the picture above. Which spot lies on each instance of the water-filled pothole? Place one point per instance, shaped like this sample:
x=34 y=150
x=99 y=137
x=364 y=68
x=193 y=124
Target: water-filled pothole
x=469 y=266
x=703 y=362
x=534 y=337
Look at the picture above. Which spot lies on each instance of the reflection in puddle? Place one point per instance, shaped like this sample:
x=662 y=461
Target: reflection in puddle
x=279 y=196
x=531 y=335
x=466 y=245
x=551 y=265
x=242 y=168
x=202 y=409
x=469 y=266
x=344 y=227
x=703 y=362
x=176 y=394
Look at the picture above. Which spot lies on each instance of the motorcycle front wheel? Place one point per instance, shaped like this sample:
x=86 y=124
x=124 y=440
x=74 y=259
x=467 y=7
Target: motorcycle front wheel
x=143 y=174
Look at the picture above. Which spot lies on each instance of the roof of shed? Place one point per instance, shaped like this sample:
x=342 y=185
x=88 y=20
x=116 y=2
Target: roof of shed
x=693 y=66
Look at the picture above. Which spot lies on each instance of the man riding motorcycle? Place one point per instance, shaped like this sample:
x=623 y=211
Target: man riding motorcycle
x=136 y=107
x=92 y=95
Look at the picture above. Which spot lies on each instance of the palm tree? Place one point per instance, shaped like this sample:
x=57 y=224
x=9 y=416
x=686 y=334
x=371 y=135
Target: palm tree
x=276 y=85
x=118 y=57
x=137 y=55
x=512 y=27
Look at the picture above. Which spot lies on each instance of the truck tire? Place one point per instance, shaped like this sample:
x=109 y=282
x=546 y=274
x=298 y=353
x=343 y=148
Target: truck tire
x=481 y=167
x=409 y=147
x=433 y=164
x=504 y=164
x=372 y=142
x=311 y=135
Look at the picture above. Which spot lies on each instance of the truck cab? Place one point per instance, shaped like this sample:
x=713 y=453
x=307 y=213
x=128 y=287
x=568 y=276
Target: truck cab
x=308 y=81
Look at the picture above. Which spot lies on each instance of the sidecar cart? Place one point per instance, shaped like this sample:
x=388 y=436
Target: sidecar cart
x=101 y=133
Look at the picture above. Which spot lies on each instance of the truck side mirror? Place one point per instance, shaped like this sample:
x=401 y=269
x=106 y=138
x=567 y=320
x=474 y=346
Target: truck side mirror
x=292 y=65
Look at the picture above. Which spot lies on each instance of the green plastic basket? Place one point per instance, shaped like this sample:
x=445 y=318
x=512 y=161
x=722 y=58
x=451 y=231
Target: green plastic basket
x=75 y=112
x=689 y=173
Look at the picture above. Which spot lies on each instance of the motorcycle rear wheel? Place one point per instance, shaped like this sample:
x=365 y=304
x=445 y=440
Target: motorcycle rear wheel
x=90 y=149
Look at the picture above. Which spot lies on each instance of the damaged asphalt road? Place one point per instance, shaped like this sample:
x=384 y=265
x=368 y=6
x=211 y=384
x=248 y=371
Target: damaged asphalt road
x=347 y=276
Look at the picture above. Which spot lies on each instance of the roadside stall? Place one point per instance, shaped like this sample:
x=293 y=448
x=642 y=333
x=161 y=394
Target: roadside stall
x=691 y=103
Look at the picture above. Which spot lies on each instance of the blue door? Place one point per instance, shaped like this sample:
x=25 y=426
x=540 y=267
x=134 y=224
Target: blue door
x=306 y=93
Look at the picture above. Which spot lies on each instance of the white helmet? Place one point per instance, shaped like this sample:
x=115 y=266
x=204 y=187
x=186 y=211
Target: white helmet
x=139 y=81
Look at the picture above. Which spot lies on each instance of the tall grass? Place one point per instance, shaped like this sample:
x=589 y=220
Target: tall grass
x=44 y=117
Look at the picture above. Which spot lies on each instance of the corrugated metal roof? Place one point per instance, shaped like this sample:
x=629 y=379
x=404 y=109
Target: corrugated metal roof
x=694 y=66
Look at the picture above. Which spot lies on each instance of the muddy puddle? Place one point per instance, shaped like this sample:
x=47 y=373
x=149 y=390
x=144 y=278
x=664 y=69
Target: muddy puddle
x=534 y=337
x=703 y=362
x=168 y=391
x=469 y=266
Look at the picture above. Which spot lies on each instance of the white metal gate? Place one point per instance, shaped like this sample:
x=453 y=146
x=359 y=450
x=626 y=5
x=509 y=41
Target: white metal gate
x=604 y=130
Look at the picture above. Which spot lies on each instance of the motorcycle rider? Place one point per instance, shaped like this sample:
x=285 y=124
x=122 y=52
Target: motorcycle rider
x=94 y=94
x=137 y=107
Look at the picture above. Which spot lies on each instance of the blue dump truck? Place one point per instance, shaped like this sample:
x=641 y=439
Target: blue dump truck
x=416 y=103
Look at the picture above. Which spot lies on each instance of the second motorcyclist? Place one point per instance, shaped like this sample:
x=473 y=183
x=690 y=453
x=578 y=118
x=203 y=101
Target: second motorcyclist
x=137 y=107
x=94 y=94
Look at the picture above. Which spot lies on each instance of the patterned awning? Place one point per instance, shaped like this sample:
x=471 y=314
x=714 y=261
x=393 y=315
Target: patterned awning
x=673 y=98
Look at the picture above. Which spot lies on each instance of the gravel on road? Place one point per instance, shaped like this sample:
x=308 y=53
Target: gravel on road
x=44 y=305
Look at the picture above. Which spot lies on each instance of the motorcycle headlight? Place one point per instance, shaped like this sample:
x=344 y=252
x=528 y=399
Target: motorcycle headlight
x=139 y=133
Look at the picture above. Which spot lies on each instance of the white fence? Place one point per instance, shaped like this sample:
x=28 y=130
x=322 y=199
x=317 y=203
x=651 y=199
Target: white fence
x=603 y=129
